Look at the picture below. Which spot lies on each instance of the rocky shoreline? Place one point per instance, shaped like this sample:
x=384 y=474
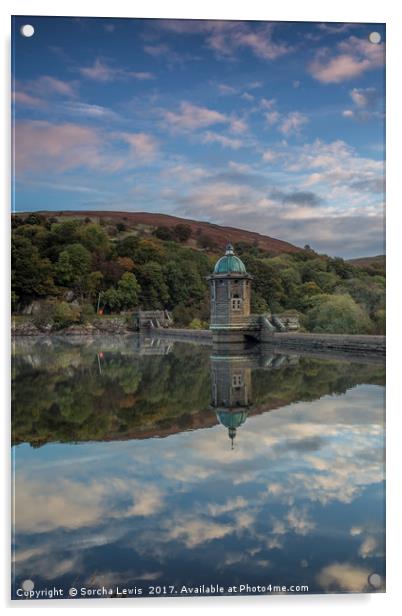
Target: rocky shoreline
x=115 y=325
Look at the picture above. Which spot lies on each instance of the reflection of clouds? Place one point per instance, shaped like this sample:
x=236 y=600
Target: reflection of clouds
x=193 y=531
x=343 y=576
x=44 y=562
x=41 y=506
x=286 y=465
x=368 y=547
x=230 y=505
x=299 y=521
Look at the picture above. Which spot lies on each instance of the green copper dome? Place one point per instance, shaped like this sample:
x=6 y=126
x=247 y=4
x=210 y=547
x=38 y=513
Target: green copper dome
x=231 y=419
x=229 y=263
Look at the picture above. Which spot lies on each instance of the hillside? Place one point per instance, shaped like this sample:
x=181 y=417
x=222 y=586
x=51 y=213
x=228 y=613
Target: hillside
x=218 y=235
x=67 y=266
x=371 y=264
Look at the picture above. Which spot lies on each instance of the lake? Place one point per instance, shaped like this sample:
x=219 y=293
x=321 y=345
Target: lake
x=150 y=467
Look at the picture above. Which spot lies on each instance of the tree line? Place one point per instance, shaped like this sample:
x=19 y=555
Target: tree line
x=71 y=268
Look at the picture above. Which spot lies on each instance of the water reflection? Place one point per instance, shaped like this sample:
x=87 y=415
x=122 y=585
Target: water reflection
x=124 y=473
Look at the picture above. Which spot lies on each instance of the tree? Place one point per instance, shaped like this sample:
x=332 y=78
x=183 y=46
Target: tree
x=164 y=233
x=128 y=290
x=337 y=314
x=94 y=238
x=73 y=267
x=182 y=232
x=126 y=263
x=154 y=290
x=32 y=276
x=111 y=299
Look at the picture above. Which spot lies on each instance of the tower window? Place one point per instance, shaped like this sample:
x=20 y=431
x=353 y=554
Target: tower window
x=237 y=380
x=236 y=303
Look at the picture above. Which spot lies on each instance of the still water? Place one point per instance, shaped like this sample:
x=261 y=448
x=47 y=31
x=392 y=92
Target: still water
x=142 y=466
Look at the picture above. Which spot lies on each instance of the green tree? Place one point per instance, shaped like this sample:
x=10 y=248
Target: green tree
x=128 y=291
x=154 y=290
x=94 y=238
x=182 y=232
x=32 y=275
x=338 y=314
x=111 y=299
x=73 y=267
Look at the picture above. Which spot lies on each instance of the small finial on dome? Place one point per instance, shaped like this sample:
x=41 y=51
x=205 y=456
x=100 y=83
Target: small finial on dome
x=229 y=249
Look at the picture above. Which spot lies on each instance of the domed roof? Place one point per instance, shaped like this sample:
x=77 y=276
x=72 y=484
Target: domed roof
x=231 y=419
x=229 y=263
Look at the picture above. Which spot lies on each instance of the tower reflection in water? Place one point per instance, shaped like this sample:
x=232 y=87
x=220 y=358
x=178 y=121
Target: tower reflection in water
x=231 y=380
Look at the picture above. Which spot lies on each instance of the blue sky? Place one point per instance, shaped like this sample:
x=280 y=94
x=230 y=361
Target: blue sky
x=273 y=127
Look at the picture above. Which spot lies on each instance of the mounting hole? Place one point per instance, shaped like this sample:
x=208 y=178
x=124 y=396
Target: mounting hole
x=375 y=580
x=27 y=30
x=375 y=38
x=28 y=585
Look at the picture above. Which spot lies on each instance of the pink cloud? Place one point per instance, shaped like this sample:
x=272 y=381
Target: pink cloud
x=51 y=85
x=60 y=147
x=143 y=147
x=192 y=117
x=354 y=58
x=293 y=122
x=22 y=98
x=226 y=142
x=101 y=71
x=35 y=93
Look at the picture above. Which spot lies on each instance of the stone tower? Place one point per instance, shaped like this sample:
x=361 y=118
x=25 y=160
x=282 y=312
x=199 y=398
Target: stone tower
x=231 y=390
x=230 y=293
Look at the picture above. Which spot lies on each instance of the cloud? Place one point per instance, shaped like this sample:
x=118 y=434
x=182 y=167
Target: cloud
x=231 y=505
x=225 y=89
x=367 y=104
x=95 y=112
x=27 y=100
x=104 y=73
x=298 y=197
x=287 y=123
x=45 y=147
x=369 y=547
x=364 y=97
x=194 y=531
x=292 y=123
x=319 y=194
x=228 y=38
x=343 y=577
x=224 y=141
x=354 y=57
x=238 y=125
x=272 y=117
x=269 y=156
x=192 y=117
x=36 y=93
x=47 y=85
x=143 y=147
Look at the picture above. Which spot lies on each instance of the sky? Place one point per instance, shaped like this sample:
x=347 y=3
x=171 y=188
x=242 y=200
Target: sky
x=274 y=127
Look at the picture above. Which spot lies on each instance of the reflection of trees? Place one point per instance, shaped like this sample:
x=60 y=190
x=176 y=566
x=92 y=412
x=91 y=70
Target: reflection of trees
x=60 y=395
x=310 y=379
x=53 y=402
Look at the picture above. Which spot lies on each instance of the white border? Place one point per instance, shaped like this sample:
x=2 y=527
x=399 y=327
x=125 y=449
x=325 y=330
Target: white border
x=388 y=11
